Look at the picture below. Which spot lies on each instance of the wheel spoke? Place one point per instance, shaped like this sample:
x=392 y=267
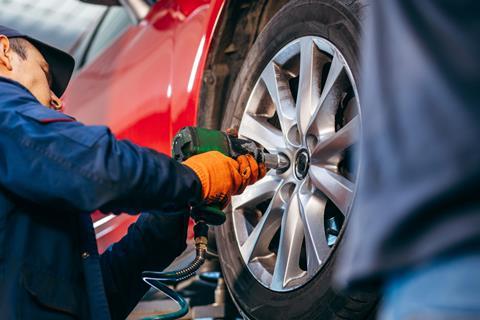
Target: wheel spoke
x=279 y=90
x=336 y=187
x=256 y=193
x=312 y=206
x=289 y=247
x=308 y=96
x=337 y=142
x=259 y=239
x=322 y=122
x=259 y=130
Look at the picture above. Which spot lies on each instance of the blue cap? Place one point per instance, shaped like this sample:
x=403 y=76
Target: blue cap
x=61 y=64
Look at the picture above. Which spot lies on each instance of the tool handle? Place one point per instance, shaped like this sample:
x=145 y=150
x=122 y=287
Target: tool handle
x=191 y=141
x=212 y=214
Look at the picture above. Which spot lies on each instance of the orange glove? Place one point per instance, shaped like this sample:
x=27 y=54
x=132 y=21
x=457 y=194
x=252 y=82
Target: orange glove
x=222 y=176
x=250 y=171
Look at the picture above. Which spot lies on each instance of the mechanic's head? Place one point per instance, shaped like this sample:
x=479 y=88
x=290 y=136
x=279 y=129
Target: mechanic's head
x=22 y=62
x=41 y=68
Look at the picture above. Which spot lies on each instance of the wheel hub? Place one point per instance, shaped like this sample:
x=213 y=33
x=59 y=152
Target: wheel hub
x=302 y=163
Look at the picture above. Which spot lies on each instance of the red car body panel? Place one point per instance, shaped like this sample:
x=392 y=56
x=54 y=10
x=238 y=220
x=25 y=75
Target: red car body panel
x=146 y=85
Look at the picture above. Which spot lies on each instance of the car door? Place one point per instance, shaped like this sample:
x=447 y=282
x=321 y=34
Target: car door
x=142 y=79
x=122 y=83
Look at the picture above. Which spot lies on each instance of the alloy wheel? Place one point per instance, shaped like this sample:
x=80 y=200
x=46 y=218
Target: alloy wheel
x=304 y=106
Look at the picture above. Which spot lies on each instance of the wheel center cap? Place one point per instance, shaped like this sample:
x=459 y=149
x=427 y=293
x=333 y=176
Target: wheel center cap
x=302 y=163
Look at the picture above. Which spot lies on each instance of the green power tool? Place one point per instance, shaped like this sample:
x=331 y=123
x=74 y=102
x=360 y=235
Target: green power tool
x=191 y=141
x=188 y=142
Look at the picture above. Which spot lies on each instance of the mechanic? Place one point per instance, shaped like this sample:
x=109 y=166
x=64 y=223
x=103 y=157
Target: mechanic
x=415 y=228
x=54 y=171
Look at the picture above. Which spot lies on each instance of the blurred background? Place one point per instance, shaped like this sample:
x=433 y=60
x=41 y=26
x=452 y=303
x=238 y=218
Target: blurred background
x=45 y=19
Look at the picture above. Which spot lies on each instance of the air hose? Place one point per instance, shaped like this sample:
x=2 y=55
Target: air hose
x=161 y=280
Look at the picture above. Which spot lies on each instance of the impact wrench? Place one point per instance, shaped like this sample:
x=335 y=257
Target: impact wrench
x=188 y=142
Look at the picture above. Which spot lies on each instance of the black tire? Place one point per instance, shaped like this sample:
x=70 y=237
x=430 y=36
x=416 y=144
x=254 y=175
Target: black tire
x=339 y=23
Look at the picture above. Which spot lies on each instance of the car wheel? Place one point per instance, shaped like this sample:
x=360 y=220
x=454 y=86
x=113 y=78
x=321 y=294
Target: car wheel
x=296 y=94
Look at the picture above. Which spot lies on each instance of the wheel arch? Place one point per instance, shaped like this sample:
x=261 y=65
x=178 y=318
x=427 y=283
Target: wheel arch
x=239 y=25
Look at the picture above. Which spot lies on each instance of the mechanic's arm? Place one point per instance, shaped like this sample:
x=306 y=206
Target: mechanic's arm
x=48 y=158
x=151 y=243
x=156 y=239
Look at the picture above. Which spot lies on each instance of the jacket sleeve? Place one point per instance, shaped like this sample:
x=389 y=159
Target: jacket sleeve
x=151 y=243
x=50 y=159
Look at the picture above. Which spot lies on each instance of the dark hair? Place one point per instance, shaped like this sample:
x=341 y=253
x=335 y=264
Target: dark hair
x=19 y=46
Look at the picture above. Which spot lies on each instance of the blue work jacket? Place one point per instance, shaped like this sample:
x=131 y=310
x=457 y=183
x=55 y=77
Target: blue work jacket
x=54 y=171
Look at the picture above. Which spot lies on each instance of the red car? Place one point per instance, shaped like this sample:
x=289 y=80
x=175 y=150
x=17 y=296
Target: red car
x=286 y=74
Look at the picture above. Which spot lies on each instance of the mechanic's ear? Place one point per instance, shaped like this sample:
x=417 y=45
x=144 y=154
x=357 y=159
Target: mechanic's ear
x=5 y=53
x=55 y=102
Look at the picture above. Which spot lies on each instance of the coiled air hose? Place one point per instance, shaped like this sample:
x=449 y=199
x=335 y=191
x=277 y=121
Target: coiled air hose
x=160 y=280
